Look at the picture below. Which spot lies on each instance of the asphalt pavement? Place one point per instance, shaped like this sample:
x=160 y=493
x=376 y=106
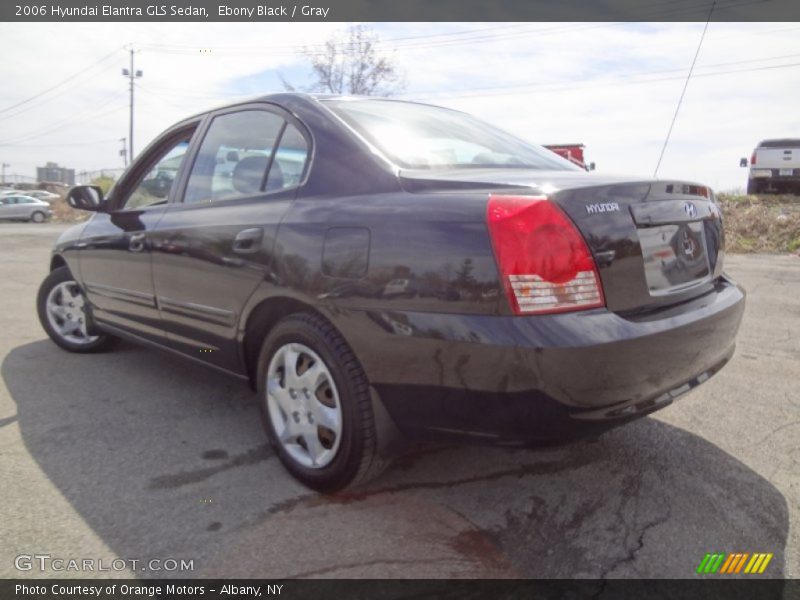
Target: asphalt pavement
x=138 y=455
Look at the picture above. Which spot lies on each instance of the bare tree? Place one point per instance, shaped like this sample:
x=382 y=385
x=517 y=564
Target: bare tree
x=351 y=62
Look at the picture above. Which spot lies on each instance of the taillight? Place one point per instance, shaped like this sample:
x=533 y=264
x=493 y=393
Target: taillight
x=753 y=158
x=544 y=261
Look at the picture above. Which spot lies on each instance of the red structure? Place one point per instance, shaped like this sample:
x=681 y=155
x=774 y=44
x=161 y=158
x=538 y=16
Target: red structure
x=572 y=152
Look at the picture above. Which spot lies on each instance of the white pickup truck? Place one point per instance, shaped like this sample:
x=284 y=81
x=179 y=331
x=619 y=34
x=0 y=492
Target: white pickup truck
x=774 y=167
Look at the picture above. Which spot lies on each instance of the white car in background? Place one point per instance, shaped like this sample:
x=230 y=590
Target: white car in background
x=38 y=194
x=24 y=208
x=774 y=167
x=42 y=195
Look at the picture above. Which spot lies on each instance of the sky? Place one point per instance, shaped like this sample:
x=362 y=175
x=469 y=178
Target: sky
x=611 y=86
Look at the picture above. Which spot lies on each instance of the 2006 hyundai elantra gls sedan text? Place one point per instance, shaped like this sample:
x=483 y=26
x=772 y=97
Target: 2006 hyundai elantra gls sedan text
x=383 y=270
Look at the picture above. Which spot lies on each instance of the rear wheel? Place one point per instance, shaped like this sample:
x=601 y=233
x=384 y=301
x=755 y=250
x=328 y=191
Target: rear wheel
x=62 y=311
x=315 y=402
x=38 y=217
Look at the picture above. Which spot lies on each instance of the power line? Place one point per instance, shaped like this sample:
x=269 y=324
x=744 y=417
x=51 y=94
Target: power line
x=660 y=9
x=546 y=90
x=61 y=83
x=683 y=93
x=87 y=113
x=450 y=93
x=66 y=145
x=56 y=96
x=294 y=48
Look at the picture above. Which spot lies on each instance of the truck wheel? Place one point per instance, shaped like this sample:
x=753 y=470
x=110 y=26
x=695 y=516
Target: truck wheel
x=315 y=403
x=62 y=312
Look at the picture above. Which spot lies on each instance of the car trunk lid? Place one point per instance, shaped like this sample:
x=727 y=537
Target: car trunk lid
x=655 y=242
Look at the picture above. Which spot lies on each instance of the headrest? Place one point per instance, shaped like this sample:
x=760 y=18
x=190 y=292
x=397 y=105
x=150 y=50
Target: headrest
x=248 y=173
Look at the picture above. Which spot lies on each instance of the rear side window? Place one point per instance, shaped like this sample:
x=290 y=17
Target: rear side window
x=418 y=136
x=289 y=164
x=245 y=154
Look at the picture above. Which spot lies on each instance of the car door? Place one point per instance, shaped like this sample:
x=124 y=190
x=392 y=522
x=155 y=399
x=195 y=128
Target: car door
x=29 y=206
x=214 y=246
x=6 y=208
x=114 y=251
x=14 y=208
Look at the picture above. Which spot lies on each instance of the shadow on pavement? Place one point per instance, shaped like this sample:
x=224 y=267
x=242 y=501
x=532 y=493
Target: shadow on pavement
x=163 y=458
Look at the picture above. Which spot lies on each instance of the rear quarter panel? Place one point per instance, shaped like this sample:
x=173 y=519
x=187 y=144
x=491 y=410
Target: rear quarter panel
x=425 y=253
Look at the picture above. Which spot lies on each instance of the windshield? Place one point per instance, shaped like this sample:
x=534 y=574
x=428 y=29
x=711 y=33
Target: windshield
x=417 y=136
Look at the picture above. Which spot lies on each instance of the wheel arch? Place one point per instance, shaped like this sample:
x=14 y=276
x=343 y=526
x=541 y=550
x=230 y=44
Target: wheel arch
x=260 y=321
x=258 y=324
x=56 y=262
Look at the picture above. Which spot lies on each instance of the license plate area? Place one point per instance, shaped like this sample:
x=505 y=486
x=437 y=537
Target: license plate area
x=675 y=257
x=785 y=172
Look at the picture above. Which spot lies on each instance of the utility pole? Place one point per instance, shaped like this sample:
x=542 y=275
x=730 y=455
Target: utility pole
x=131 y=74
x=124 y=152
x=5 y=164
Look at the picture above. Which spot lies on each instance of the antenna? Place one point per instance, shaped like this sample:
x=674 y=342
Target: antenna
x=685 y=85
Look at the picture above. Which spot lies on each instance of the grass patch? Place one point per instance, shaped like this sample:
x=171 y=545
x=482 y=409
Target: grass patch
x=761 y=223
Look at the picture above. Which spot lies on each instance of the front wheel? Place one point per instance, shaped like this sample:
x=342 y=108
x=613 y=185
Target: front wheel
x=62 y=311
x=38 y=217
x=316 y=406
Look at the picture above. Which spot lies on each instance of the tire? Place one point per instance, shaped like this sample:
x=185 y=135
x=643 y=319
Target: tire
x=753 y=186
x=38 y=217
x=297 y=423
x=60 y=303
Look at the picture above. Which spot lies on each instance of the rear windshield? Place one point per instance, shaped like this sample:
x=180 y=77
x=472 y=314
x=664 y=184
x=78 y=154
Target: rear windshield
x=417 y=136
x=780 y=144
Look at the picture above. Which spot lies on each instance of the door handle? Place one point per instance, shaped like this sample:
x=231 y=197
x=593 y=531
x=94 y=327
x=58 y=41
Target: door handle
x=248 y=241
x=136 y=242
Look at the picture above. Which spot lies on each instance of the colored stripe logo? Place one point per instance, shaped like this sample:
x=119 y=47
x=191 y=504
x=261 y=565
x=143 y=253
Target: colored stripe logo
x=735 y=562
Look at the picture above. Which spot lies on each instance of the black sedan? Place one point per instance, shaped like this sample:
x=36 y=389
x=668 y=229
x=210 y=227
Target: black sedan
x=382 y=270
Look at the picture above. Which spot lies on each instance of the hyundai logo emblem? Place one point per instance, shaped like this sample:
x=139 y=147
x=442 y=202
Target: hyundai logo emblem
x=690 y=209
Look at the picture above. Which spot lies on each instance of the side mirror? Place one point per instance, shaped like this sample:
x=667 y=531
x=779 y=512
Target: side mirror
x=86 y=197
x=742 y=162
x=590 y=166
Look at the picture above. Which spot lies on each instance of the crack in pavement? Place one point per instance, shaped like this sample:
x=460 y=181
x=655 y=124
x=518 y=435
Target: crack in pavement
x=631 y=555
x=314 y=500
x=766 y=437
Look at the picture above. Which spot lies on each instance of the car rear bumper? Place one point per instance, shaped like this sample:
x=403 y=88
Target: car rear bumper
x=775 y=175
x=519 y=379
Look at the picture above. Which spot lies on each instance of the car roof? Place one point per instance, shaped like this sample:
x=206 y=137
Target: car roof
x=21 y=196
x=279 y=97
